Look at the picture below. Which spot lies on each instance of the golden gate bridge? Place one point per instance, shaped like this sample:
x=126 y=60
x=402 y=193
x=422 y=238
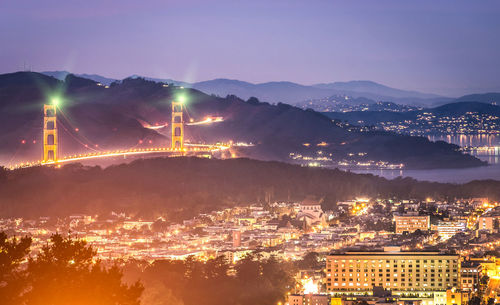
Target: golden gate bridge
x=177 y=148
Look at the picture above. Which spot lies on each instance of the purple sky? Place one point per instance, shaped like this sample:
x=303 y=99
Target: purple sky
x=445 y=47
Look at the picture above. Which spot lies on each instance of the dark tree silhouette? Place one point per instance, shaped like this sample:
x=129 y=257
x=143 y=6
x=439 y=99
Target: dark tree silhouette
x=12 y=253
x=64 y=272
x=309 y=261
x=185 y=187
x=475 y=300
x=253 y=280
x=253 y=100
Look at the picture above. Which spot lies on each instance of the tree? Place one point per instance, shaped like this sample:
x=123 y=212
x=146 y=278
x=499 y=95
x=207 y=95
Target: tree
x=484 y=280
x=310 y=261
x=12 y=253
x=475 y=300
x=253 y=100
x=262 y=281
x=3 y=174
x=253 y=280
x=64 y=272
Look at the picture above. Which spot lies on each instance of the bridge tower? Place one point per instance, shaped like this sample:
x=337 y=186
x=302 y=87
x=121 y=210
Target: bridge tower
x=177 y=126
x=49 y=133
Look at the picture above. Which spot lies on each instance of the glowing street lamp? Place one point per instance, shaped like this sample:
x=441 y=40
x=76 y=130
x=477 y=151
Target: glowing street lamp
x=181 y=99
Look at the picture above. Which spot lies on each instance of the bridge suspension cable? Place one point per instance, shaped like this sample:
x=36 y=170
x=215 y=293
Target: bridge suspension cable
x=51 y=144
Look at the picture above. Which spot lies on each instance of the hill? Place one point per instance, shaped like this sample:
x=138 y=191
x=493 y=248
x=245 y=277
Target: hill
x=180 y=188
x=461 y=108
x=94 y=117
x=61 y=75
x=162 y=80
x=483 y=98
x=455 y=109
x=292 y=93
x=369 y=87
x=273 y=92
x=83 y=118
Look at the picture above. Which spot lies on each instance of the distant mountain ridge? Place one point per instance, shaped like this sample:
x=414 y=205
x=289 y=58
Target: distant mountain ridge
x=162 y=80
x=61 y=75
x=358 y=91
x=288 y=92
x=490 y=98
x=293 y=93
x=364 y=86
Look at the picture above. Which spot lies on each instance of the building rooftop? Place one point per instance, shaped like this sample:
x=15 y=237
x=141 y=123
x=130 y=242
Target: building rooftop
x=388 y=253
x=311 y=201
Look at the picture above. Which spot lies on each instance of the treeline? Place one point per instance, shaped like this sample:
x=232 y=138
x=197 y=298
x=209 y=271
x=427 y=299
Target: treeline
x=183 y=187
x=252 y=280
x=63 y=272
x=67 y=271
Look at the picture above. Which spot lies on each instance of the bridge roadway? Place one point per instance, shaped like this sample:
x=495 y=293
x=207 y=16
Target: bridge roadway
x=190 y=148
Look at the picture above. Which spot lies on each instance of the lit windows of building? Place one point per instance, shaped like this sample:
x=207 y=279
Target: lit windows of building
x=411 y=223
x=416 y=273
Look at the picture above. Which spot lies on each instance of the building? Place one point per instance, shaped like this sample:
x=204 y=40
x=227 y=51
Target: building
x=380 y=296
x=423 y=275
x=412 y=222
x=489 y=266
x=456 y=297
x=470 y=274
x=310 y=212
x=489 y=221
x=447 y=229
x=308 y=299
x=137 y=225
x=236 y=239
x=377 y=301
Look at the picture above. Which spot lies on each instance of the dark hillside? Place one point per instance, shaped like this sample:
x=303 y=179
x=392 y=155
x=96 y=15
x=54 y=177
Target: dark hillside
x=182 y=187
x=93 y=117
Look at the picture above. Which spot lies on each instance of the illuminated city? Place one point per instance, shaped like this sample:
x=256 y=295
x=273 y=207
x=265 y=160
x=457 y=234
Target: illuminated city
x=249 y=153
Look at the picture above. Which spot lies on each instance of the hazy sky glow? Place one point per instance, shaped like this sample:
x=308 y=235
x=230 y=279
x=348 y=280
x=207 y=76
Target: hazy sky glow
x=446 y=47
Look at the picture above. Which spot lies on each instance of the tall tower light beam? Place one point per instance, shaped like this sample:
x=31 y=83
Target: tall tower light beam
x=50 y=145
x=177 y=125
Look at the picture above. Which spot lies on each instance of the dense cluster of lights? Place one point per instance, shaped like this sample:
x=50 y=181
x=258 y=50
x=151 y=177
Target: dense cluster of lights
x=428 y=123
